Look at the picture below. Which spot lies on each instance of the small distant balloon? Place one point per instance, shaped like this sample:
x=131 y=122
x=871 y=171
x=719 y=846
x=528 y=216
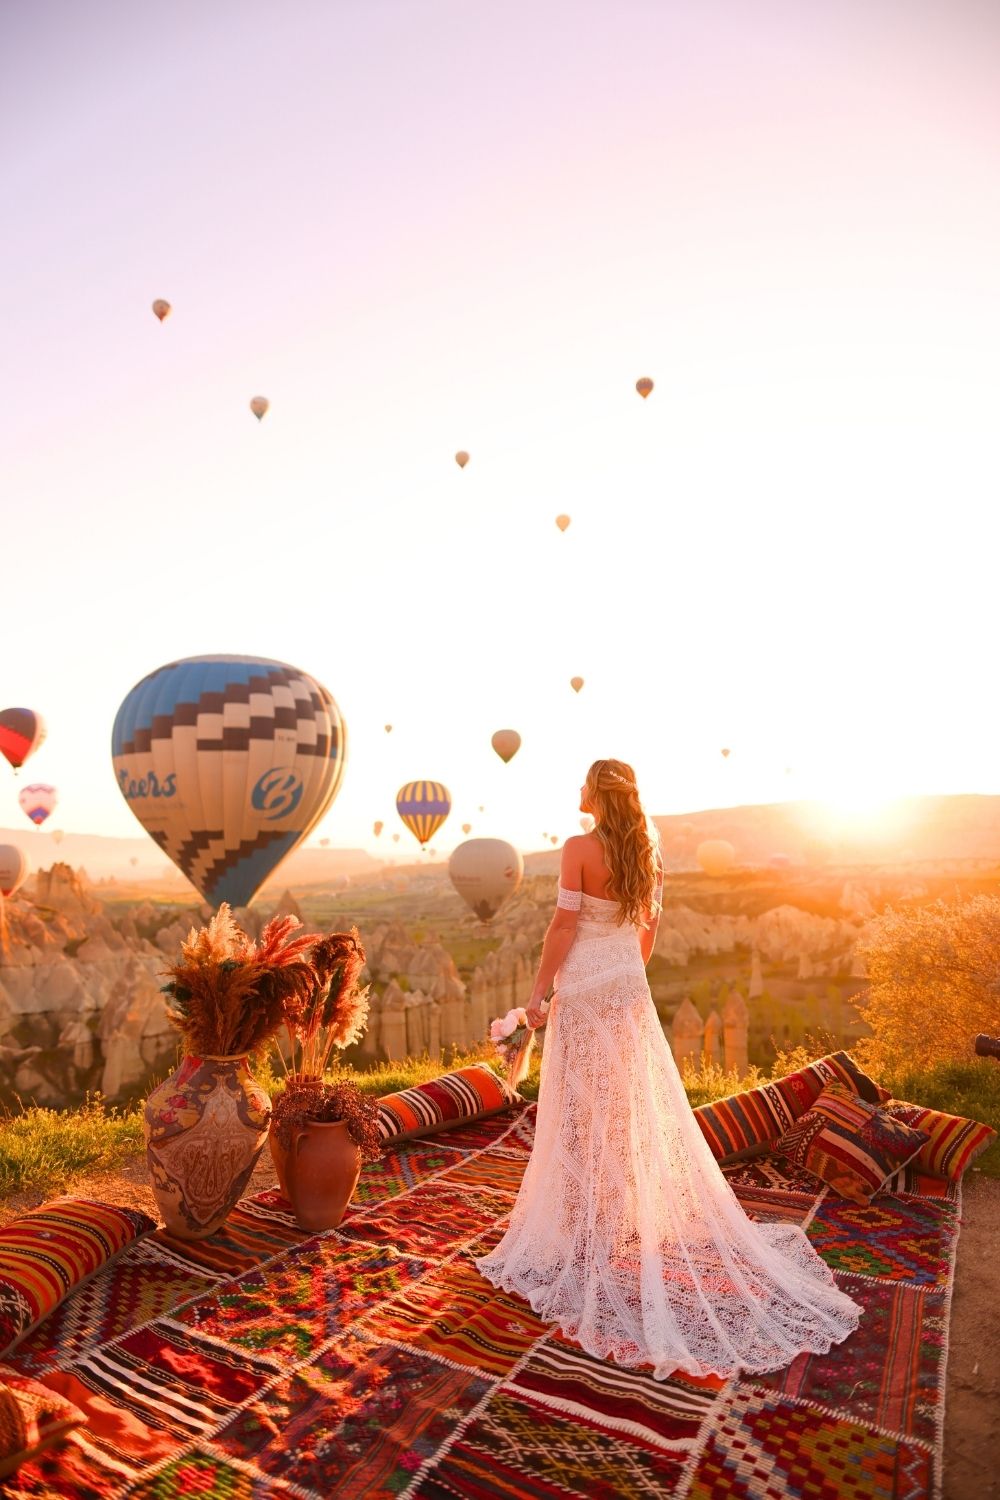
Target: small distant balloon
x=377 y=826
x=134 y=861
x=725 y=754
x=395 y=838
x=587 y=823
x=554 y=839
x=576 y=683
x=466 y=827
x=13 y=869
x=779 y=861
x=482 y=809
x=324 y=843
x=259 y=406
x=22 y=732
x=562 y=522
x=644 y=386
x=388 y=728
x=506 y=743
x=161 y=308
x=58 y=835
x=38 y=801
x=461 y=458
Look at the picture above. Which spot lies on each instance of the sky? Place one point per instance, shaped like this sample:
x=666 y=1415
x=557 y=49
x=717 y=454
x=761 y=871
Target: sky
x=422 y=225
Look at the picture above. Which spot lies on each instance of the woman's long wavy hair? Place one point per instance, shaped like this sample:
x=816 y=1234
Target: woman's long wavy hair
x=628 y=837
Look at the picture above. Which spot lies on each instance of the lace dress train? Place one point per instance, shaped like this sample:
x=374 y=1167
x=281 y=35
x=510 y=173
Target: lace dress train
x=625 y=1233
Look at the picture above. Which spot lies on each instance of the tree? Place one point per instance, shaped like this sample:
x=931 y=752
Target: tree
x=934 y=975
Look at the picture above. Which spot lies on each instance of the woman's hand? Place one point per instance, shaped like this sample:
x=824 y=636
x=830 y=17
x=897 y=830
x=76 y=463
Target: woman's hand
x=536 y=1016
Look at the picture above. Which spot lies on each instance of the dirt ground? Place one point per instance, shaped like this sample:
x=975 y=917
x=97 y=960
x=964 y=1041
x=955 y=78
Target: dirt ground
x=972 y=1401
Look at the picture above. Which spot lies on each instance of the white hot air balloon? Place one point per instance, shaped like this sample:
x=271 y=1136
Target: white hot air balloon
x=485 y=873
x=13 y=868
x=716 y=856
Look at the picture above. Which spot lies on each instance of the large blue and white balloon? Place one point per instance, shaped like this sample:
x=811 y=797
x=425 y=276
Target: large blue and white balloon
x=228 y=762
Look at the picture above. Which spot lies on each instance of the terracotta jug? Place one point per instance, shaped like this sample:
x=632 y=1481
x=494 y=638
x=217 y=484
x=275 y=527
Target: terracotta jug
x=320 y=1172
x=205 y=1126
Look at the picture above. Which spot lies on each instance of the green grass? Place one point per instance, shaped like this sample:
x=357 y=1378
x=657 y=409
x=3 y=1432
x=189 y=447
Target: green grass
x=44 y=1150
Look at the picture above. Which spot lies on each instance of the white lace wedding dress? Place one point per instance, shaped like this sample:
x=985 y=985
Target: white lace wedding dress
x=625 y=1233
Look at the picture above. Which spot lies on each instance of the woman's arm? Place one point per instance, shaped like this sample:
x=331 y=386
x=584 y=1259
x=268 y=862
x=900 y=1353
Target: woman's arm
x=560 y=933
x=647 y=934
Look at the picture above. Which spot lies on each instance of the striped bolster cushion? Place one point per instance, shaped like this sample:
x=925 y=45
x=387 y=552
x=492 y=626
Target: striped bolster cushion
x=471 y=1093
x=851 y=1145
x=746 y=1124
x=49 y=1252
x=32 y=1418
x=954 y=1142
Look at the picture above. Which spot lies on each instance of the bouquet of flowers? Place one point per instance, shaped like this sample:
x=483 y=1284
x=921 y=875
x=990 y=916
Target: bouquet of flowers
x=514 y=1040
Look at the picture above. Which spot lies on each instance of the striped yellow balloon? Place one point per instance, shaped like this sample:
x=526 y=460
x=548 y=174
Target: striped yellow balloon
x=423 y=807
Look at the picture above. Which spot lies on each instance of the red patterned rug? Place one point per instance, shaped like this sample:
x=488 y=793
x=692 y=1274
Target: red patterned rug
x=374 y=1361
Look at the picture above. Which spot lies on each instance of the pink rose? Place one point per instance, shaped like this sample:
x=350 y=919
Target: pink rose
x=509 y=1024
x=496 y=1034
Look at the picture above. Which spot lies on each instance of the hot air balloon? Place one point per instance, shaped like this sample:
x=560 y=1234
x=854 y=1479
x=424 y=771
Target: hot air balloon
x=506 y=743
x=259 y=406
x=482 y=809
x=779 y=861
x=388 y=729
x=461 y=458
x=715 y=856
x=466 y=827
x=38 y=801
x=22 y=732
x=485 y=873
x=13 y=869
x=229 y=763
x=554 y=839
x=161 y=308
x=58 y=835
x=576 y=683
x=395 y=838
x=562 y=522
x=725 y=754
x=378 y=825
x=644 y=386
x=134 y=861
x=423 y=807
x=587 y=823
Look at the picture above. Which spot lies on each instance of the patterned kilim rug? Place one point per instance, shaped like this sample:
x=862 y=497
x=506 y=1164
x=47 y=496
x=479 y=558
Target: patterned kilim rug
x=374 y=1361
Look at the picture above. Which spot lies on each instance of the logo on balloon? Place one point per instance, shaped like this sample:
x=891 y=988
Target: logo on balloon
x=277 y=793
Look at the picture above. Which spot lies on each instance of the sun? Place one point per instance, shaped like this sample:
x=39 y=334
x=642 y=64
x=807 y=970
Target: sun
x=860 y=809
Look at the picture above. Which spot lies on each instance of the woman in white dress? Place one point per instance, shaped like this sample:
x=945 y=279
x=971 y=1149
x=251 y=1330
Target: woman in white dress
x=625 y=1233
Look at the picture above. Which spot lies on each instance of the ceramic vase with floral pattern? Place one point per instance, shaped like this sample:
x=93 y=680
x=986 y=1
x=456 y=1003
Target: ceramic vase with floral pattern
x=205 y=1127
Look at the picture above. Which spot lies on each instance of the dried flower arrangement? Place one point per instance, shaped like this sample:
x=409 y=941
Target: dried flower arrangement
x=333 y=1011
x=304 y=1102
x=229 y=995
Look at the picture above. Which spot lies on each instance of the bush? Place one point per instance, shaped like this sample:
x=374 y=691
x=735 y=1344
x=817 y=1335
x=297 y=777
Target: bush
x=934 y=975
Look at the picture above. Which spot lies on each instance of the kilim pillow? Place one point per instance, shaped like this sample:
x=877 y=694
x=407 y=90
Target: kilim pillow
x=851 y=1145
x=747 y=1124
x=471 y=1093
x=954 y=1142
x=32 y=1418
x=52 y=1250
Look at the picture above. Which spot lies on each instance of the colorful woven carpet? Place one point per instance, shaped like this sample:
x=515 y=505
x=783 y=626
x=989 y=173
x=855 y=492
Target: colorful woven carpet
x=374 y=1361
